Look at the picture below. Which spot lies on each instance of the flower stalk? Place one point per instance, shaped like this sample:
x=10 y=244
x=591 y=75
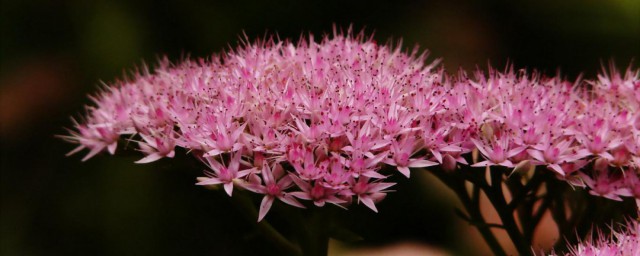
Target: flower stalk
x=284 y=245
x=456 y=183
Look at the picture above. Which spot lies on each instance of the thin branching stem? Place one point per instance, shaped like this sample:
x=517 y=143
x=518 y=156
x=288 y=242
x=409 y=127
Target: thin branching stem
x=497 y=199
x=472 y=205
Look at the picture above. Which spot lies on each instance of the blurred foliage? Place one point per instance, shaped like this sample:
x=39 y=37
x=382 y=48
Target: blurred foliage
x=52 y=53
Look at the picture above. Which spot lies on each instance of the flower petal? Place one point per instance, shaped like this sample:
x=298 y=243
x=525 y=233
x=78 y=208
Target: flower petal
x=150 y=158
x=404 y=170
x=290 y=200
x=368 y=202
x=421 y=163
x=265 y=205
x=228 y=187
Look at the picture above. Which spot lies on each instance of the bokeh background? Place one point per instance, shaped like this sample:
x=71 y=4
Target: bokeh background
x=54 y=53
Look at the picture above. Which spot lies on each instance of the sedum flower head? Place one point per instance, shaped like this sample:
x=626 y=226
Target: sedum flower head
x=329 y=122
x=621 y=241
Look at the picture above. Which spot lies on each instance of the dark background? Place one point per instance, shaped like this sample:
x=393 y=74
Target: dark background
x=53 y=53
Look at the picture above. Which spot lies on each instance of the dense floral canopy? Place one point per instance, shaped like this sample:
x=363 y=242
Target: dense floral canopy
x=328 y=122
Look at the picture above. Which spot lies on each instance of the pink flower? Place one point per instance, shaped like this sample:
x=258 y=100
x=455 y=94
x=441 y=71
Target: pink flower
x=363 y=160
x=224 y=139
x=572 y=174
x=96 y=139
x=632 y=183
x=224 y=174
x=401 y=153
x=606 y=185
x=624 y=240
x=555 y=153
x=307 y=167
x=496 y=152
x=437 y=138
x=330 y=117
x=598 y=138
x=395 y=120
x=337 y=176
x=369 y=193
x=275 y=183
x=317 y=193
x=157 y=147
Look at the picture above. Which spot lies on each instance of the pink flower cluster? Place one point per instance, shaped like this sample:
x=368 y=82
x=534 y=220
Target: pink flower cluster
x=328 y=122
x=621 y=242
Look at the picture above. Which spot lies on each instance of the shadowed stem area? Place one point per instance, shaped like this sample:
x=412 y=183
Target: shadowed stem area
x=522 y=199
x=531 y=196
x=311 y=228
x=519 y=199
x=316 y=233
x=246 y=205
x=456 y=182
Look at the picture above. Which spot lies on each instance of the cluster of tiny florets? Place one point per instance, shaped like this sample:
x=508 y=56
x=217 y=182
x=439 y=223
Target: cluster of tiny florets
x=620 y=241
x=328 y=122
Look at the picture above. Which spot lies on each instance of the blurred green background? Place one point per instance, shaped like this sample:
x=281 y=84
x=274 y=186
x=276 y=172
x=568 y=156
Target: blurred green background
x=53 y=53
